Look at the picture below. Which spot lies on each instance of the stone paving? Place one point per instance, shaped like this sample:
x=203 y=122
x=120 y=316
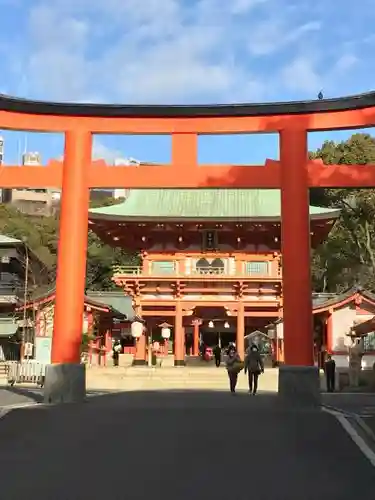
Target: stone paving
x=179 y=445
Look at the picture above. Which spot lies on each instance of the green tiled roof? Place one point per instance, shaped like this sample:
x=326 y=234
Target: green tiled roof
x=200 y=203
x=6 y=240
x=117 y=300
x=8 y=327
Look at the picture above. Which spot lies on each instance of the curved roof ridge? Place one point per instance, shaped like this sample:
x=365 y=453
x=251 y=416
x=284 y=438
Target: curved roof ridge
x=201 y=203
x=346 y=103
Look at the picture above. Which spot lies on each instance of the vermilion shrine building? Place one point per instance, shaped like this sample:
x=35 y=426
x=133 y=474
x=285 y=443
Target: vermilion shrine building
x=97 y=322
x=211 y=261
x=293 y=174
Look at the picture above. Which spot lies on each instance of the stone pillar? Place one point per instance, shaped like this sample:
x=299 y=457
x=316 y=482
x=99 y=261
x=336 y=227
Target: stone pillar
x=299 y=378
x=65 y=379
x=179 y=337
x=240 y=337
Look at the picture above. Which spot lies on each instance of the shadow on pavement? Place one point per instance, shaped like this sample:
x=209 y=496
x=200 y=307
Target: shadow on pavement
x=35 y=394
x=179 y=445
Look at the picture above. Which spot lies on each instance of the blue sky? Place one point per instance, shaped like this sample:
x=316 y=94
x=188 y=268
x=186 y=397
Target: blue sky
x=183 y=51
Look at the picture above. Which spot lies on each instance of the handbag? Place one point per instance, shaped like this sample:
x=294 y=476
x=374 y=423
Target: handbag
x=238 y=366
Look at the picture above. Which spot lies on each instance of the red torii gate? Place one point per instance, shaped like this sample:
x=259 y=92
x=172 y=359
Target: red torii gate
x=293 y=174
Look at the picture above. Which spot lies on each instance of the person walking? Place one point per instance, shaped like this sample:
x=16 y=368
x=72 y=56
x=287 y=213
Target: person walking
x=234 y=366
x=330 y=373
x=217 y=355
x=253 y=367
x=116 y=352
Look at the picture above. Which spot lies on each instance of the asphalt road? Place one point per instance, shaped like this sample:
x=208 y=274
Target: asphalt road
x=21 y=395
x=360 y=404
x=177 y=445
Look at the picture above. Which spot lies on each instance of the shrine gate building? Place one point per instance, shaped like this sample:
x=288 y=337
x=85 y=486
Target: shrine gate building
x=294 y=173
x=208 y=258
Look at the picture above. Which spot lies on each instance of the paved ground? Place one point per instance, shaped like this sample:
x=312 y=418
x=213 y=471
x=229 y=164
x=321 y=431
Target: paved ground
x=360 y=404
x=360 y=409
x=179 y=445
x=26 y=394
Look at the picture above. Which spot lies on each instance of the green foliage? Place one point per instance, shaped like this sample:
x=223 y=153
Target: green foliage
x=42 y=234
x=86 y=339
x=347 y=258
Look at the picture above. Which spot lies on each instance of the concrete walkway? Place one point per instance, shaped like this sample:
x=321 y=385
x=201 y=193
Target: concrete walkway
x=179 y=445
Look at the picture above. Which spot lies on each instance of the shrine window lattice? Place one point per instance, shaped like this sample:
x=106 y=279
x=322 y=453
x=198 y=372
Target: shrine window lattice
x=162 y=267
x=256 y=268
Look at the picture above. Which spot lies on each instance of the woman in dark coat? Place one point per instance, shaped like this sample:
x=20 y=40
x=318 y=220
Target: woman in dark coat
x=232 y=360
x=116 y=352
x=254 y=367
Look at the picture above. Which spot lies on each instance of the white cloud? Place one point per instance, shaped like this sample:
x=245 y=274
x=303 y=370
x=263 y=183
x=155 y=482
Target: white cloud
x=275 y=35
x=187 y=50
x=102 y=152
x=345 y=62
x=159 y=57
x=242 y=6
x=301 y=75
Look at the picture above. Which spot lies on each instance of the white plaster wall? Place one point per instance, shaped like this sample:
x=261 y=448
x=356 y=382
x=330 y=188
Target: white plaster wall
x=154 y=296
x=214 y=298
x=342 y=361
x=231 y=266
x=188 y=266
x=368 y=361
x=342 y=321
x=280 y=330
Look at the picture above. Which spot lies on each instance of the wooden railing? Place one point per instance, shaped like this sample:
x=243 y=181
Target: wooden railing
x=174 y=272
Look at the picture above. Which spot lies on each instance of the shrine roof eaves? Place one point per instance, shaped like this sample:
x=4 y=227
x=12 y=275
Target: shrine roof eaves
x=20 y=105
x=201 y=204
x=48 y=295
x=342 y=299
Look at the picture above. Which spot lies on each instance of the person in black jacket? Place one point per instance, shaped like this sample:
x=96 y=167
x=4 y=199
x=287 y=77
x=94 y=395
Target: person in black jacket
x=254 y=367
x=217 y=355
x=330 y=372
x=116 y=352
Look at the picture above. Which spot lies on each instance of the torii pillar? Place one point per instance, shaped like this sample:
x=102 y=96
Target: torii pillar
x=65 y=377
x=299 y=378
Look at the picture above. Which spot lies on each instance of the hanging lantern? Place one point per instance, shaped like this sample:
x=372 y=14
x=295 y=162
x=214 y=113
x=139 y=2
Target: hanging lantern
x=226 y=325
x=165 y=330
x=137 y=329
x=211 y=324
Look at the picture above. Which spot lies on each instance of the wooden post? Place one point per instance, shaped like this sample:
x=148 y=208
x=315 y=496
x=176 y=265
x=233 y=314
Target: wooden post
x=179 y=341
x=240 y=337
x=71 y=261
x=295 y=239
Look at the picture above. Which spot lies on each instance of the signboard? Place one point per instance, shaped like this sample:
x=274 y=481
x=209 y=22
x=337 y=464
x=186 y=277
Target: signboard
x=43 y=348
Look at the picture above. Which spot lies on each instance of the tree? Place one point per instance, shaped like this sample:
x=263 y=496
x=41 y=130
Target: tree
x=101 y=257
x=347 y=258
x=41 y=234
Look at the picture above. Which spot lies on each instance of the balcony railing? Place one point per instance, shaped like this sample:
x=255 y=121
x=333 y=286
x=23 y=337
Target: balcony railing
x=9 y=289
x=173 y=272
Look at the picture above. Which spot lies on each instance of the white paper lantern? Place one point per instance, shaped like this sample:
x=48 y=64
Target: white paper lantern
x=137 y=329
x=165 y=332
